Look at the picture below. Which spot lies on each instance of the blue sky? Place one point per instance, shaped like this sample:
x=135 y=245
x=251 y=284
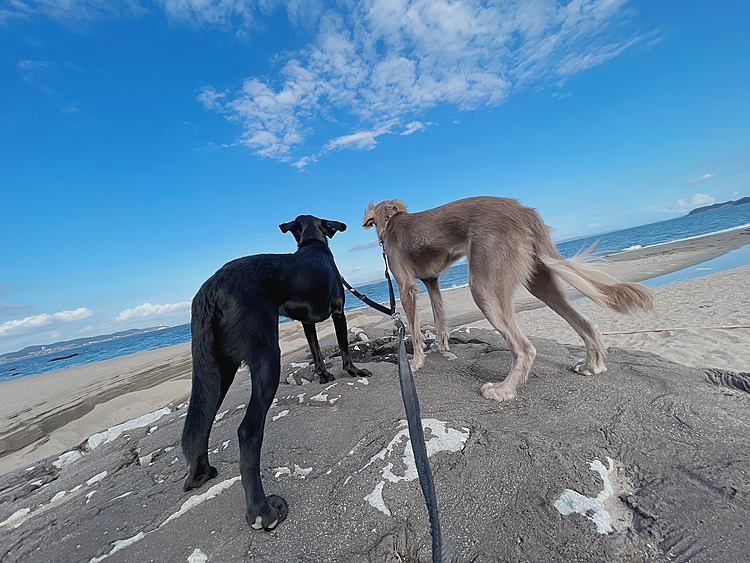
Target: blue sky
x=146 y=143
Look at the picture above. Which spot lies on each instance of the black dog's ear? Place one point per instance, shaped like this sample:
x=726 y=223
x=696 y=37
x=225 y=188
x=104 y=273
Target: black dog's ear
x=290 y=226
x=332 y=227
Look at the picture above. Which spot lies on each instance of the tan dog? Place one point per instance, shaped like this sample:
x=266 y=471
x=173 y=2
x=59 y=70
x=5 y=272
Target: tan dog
x=506 y=244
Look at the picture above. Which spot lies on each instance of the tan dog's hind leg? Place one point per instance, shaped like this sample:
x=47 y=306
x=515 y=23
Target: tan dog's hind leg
x=544 y=286
x=436 y=300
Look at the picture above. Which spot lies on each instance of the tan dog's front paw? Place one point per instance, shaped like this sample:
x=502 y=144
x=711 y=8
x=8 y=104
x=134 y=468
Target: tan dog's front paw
x=498 y=392
x=441 y=344
x=585 y=368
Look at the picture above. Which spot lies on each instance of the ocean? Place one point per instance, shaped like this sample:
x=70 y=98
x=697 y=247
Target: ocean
x=457 y=276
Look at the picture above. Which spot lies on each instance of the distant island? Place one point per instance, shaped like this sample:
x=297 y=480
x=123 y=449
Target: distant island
x=740 y=201
x=66 y=345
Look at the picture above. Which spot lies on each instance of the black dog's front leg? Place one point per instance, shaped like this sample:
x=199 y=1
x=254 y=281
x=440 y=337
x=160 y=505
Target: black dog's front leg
x=312 y=341
x=339 y=323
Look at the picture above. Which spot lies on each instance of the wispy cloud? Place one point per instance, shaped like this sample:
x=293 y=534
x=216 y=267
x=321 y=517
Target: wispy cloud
x=29 y=70
x=10 y=328
x=74 y=14
x=697 y=200
x=365 y=245
x=414 y=126
x=16 y=310
x=701 y=178
x=148 y=310
x=376 y=66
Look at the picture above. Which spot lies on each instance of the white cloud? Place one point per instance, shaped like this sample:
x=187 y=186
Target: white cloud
x=414 y=126
x=381 y=63
x=701 y=178
x=697 y=200
x=10 y=328
x=148 y=310
x=360 y=140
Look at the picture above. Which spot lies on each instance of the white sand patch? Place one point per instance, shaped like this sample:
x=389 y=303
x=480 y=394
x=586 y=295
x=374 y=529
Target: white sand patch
x=299 y=472
x=197 y=556
x=116 y=431
x=15 y=519
x=147 y=459
x=439 y=438
x=302 y=472
x=96 y=478
x=282 y=471
x=601 y=509
x=189 y=504
x=375 y=498
x=67 y=458
x=118 y=545
x=195 y=500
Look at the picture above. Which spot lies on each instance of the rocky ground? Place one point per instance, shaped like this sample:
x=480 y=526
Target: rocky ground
x=647 y=462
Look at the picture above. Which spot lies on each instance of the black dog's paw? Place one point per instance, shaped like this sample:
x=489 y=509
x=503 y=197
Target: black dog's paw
x=195 y=481
x=326 y=377
x=271 y=513
x=357 y=372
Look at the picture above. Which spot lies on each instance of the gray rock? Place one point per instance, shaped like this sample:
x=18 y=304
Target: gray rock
x=647 y=462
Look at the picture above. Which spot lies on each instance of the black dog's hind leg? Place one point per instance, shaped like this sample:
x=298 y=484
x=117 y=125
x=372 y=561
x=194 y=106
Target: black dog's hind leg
x=339 y=323
x=211 y=381
x=312 y=341
x=261 y=512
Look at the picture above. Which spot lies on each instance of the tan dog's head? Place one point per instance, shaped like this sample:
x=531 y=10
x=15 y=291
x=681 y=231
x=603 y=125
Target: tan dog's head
x=378 y=215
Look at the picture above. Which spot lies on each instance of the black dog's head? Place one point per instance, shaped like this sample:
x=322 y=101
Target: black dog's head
x=306 y=228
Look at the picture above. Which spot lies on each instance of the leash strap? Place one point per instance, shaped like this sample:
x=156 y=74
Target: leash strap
x=413 y=416
x=418 y=445
x=367 y=300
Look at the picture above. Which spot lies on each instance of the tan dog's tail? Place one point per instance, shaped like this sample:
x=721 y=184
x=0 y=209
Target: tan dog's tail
x=589 y=278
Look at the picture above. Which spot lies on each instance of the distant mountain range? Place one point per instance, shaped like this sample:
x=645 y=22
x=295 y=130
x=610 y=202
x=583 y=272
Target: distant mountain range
x=68 y=344
x=740 y=201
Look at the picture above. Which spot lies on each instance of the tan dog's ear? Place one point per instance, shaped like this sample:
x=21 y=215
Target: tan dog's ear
x=393 y=207
x=368 y=221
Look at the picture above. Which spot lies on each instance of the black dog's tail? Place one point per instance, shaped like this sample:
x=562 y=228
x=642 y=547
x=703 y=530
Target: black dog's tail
x=206 y=390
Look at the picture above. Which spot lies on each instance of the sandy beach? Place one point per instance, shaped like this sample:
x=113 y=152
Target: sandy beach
x=42 y=415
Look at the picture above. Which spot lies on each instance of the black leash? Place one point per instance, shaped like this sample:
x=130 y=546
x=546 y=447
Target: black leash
x=413 y=417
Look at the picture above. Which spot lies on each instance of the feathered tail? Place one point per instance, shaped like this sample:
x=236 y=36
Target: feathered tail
x=589 y=278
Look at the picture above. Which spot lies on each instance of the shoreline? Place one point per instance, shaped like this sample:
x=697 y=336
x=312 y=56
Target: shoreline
x=46 y=414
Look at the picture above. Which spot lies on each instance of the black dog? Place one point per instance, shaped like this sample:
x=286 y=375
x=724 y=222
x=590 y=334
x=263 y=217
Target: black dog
x=235 y=318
